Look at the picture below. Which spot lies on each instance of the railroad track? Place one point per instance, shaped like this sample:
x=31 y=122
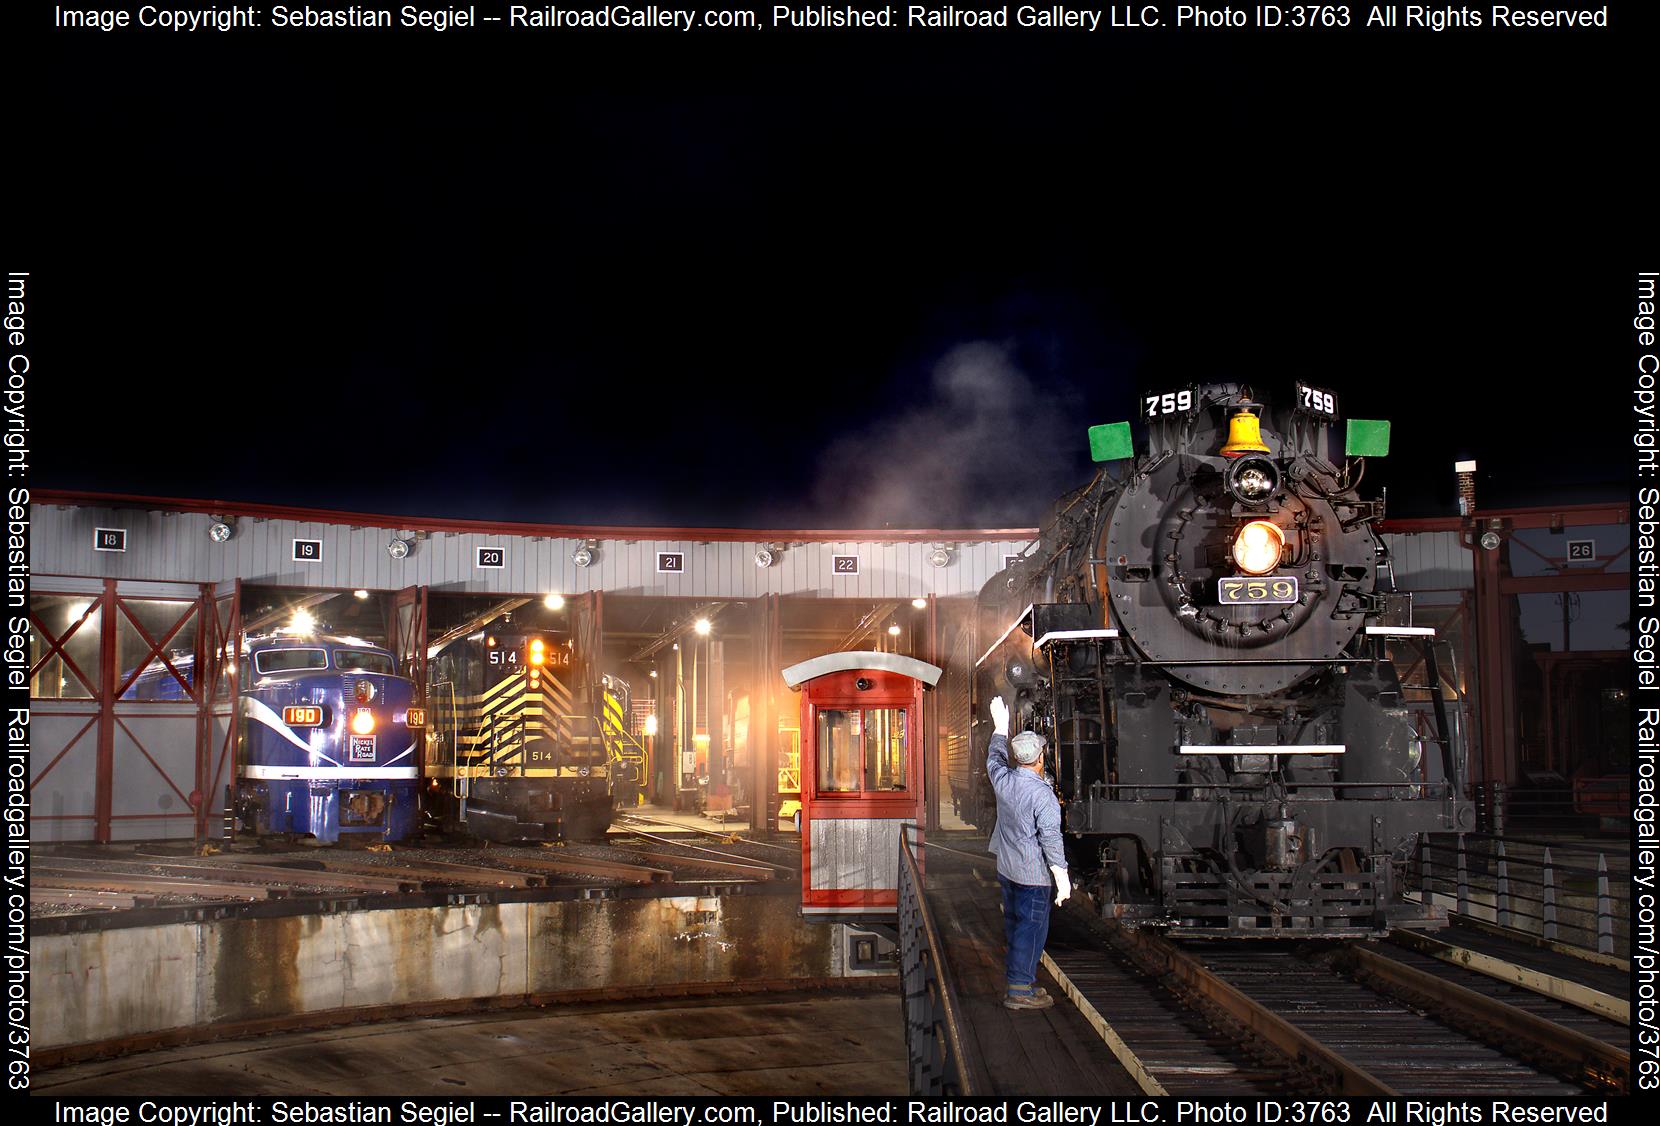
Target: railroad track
x=1344 y=1018
x=128 y=879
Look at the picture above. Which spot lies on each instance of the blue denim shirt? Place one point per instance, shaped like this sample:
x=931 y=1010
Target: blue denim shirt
x=1027 y=838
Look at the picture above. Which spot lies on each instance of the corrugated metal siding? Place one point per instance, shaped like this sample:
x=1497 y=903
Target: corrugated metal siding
x=175 y=547
x=1430 y=561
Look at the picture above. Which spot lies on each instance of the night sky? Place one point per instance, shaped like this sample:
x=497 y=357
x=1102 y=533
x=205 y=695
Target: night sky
x=814 y=280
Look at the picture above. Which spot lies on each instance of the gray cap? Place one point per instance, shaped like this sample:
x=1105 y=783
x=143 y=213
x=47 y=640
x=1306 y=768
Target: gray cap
x=1027 y=747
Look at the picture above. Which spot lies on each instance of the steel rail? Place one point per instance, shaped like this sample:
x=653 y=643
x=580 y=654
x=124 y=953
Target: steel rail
x=1617 y=1009
x=727 y=857
x=1569 y=1053
x=1191 y=978
x=716 y=833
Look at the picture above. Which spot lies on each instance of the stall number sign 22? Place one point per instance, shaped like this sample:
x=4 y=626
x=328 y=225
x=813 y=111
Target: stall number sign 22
x=844 y=564
x=1171 y=402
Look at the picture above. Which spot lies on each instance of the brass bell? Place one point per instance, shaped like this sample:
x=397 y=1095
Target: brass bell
x=1244 y=432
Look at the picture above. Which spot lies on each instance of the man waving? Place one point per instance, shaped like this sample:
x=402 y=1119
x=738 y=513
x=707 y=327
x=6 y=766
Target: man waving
x=1026 y=839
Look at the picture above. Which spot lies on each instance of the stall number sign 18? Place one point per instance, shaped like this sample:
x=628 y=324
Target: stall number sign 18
x=109 y=539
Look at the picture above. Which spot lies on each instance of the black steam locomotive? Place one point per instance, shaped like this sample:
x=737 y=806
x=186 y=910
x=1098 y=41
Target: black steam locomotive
x=1204 y=640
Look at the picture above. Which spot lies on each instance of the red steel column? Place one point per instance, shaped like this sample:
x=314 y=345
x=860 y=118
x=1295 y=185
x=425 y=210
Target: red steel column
x=104 y=782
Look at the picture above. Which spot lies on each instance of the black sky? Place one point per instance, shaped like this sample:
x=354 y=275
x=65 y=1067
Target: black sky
x=700 y=280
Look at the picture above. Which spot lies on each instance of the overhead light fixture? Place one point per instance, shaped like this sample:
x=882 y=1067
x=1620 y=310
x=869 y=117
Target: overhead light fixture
x=893 y=630
x=939 y=557
x=360 y=594
x=219 y=531
x=1490 y=540
x=652 y=674
x=702 y=627
x=554 y=601
x=651 y=726
x=582 y=556
x=920 y=603
x=397 y=549
x=302 y=622
x=764 y=558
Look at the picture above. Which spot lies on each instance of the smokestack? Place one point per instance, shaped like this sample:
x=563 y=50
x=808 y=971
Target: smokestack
x=1466 y=487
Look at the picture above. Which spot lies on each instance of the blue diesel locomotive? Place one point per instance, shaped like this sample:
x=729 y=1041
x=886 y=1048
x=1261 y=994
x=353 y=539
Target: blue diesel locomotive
x=329 y=740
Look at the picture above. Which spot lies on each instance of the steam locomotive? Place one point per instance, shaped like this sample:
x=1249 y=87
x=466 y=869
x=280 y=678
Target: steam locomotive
x=1205 y=641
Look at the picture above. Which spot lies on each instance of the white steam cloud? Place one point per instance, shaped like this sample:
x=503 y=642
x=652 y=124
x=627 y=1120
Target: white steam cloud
x=988 y=448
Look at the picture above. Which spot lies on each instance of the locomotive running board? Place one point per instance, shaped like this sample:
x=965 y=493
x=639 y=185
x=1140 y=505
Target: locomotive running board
x=1299 y=749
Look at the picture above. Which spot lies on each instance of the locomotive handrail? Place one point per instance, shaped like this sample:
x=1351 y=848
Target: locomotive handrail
x=933 y=1029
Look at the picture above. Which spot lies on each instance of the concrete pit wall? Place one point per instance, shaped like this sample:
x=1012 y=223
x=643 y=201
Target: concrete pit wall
x=114 y=984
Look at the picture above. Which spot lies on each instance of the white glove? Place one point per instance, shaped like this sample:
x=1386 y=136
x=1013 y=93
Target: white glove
x=1063 y=885
x=999 y=716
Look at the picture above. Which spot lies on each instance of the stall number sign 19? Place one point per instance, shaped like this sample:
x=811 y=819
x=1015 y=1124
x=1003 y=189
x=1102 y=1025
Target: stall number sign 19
x=109 y=539
x=844 y=564
x=492 y=558
x=308 y=551
x=671 y=562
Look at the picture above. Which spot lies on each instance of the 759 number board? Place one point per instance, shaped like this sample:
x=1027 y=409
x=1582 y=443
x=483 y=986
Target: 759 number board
x=1269 y=590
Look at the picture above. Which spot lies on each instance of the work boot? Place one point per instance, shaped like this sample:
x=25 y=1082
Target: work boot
x=1033 y=1000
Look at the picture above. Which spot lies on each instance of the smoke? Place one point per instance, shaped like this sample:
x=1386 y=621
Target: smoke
x=986 y=448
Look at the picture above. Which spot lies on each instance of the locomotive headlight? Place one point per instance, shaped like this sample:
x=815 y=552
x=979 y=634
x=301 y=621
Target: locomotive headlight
x=1258 y=547
x=363 y=723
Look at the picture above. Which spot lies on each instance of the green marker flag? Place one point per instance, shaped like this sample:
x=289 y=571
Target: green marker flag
x=1368 y=437
x=1110 y=442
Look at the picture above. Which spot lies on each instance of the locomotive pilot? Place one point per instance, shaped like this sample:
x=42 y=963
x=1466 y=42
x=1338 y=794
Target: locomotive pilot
x=1027 y=839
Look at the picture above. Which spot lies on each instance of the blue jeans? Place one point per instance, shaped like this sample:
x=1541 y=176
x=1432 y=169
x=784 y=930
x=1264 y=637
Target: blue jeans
x=1026 y=927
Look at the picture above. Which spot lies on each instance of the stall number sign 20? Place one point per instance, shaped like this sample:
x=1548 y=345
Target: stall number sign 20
x=492 y=558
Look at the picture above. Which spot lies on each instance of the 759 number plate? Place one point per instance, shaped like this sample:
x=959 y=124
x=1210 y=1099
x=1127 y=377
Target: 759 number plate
x=1270 y=590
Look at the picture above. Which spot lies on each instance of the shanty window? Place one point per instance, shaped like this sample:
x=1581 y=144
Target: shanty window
x=861 y=750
